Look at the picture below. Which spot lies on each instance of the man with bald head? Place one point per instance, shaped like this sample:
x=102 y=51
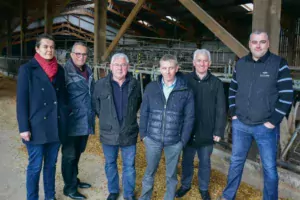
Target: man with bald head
x=260 y=95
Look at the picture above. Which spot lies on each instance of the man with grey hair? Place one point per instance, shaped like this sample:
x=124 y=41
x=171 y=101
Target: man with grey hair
x=166 y=122
x=260 y=95
x=210 y=120
x=80 y=86
x=116 y=101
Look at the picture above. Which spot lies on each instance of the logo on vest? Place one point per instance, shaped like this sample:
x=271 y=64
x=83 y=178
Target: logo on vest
x=265 y=75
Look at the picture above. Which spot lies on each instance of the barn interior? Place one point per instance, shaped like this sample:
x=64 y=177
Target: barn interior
x=145 y=30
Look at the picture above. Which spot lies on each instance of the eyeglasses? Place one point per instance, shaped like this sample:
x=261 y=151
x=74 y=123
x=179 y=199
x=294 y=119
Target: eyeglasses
x=80 y=54
x=120 y=65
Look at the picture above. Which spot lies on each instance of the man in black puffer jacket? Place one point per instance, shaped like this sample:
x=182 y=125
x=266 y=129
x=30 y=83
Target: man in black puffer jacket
x=167 y=118
x=116 y=100
x=210 y=120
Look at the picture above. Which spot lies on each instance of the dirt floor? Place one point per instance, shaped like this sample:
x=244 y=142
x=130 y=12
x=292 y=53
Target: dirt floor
x=14 y=160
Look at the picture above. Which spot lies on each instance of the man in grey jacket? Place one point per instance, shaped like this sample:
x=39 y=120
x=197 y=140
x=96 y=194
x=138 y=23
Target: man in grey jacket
x=79 y=83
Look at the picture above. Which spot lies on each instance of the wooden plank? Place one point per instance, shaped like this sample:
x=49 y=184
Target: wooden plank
x=48 y=20
x=215 y=28
x=123 y=29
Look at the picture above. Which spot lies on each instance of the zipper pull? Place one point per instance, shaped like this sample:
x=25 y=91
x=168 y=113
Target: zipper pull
x=165 y=106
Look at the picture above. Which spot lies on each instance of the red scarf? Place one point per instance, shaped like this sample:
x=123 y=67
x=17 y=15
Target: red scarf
x=50 y=68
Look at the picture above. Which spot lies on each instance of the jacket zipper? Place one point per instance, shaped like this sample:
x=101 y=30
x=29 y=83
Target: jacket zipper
x=164 y=113
x=250 y=89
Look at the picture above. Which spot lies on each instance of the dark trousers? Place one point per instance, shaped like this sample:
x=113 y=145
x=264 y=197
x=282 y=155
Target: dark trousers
x=71 y=151
x=37 y=154
x=204 y=154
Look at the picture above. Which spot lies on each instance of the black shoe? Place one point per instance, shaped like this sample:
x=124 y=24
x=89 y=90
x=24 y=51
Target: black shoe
x=130 y=198
x=75 y=195
x=83 y=185
x=205 y=195
x=113 y=196
x=181 y=192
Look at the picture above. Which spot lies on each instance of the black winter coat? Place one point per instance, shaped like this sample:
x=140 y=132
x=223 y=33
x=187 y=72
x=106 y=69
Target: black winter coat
x=210 y=109
x=169 y=121
x=111 y=132
x=41 y=105
x=82 y=117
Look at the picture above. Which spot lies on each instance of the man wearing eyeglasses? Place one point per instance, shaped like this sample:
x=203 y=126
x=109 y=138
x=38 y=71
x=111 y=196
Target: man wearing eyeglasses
x=79 y=84
x=116 y=101
x=260 y=95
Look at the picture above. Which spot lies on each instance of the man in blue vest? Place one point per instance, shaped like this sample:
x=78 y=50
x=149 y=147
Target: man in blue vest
x=260 y=95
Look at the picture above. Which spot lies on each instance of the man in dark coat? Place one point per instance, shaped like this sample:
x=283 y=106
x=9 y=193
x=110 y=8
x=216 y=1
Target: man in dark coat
x=116 y=100
x=42 y=114
x=79 y=84
x=210 y=120
x=167 y=118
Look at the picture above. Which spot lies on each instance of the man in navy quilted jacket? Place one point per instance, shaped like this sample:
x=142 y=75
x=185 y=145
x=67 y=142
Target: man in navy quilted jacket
x=166 y=122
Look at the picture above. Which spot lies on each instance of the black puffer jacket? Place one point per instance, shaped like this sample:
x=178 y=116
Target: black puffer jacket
x=111 y=132
x=169 y=121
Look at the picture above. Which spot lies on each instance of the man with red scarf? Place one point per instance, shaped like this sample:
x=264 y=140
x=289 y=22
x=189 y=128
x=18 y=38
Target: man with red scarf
x=42 y=113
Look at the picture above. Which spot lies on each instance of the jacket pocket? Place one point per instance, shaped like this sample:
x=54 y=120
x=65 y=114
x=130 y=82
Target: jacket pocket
x=105 y=127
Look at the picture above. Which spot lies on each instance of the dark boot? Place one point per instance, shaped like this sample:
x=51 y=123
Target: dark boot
x=205 y=195
x=181 y=192
x=113 y=196
x=75 y=195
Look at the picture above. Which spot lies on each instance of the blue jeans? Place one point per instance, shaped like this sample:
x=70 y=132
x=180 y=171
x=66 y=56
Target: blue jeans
x=128 y=166
x=204 y=154
x=266 y=139
x=37 y=153
x=153 y=154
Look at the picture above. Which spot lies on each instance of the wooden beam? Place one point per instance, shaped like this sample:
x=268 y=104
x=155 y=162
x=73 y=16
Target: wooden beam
x=215 y=28
x=266 y=17
x=48 y=20
x=123 y=29
x=9 y=38
x=100 y=18
x=23 y=25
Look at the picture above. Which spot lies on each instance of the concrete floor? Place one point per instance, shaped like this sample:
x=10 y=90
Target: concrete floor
x=13 y=169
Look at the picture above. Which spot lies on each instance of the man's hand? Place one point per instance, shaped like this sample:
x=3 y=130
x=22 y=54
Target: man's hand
x=217 y=138
x=25 y=135
x=269 y=125
x=234 y=117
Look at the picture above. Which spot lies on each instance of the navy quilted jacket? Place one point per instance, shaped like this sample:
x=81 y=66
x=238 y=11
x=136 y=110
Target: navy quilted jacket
x=168 y=121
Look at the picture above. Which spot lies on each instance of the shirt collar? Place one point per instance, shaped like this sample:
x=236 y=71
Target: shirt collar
x=171 y=86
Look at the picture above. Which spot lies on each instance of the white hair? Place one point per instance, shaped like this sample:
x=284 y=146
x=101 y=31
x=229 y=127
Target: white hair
x=202 y=52
x=119 y=55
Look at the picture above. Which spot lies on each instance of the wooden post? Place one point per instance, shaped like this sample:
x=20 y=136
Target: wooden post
x=266 y=17
x=124 y=27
